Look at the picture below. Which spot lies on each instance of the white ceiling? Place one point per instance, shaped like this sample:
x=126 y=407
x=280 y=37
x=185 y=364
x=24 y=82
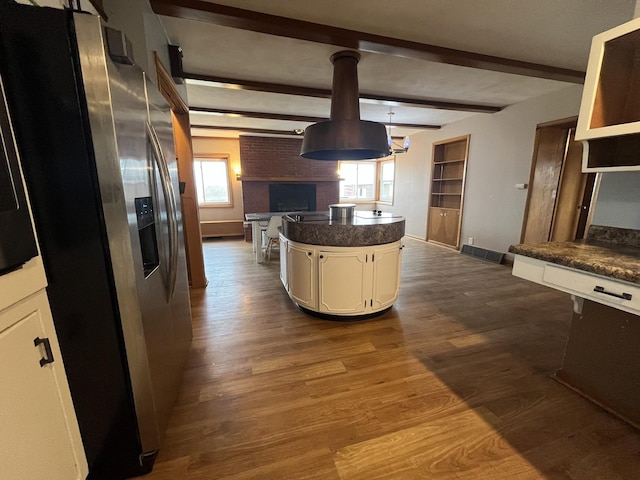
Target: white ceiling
x=554 y=33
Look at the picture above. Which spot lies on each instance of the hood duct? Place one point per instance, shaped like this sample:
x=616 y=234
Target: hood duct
x=345 y=136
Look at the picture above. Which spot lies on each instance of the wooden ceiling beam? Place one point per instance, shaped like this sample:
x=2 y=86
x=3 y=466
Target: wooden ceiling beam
x=248 y=130
x=291 y=118
x=233 y=17
x=265 y=115
x=237 y=84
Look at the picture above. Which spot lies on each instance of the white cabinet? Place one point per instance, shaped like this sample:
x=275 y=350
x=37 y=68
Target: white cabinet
x=283 y=262
x=342 y=280
x=580 y=284
x=386 y=276
x=609 y=120
x=302 y=274
x=40 y=436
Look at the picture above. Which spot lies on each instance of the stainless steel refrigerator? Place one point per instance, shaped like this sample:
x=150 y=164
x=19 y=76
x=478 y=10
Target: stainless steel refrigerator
x=96 y=144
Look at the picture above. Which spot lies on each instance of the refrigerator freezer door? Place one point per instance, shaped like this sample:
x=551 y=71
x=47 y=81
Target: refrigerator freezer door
x=117 y=101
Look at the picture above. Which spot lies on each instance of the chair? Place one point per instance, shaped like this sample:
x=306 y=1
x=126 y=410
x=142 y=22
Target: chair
x=273 y=234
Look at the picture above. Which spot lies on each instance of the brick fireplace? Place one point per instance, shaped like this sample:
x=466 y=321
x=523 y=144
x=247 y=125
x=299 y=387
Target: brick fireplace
x=272 y=161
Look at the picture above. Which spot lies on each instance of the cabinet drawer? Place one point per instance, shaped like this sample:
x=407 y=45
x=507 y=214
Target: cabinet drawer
x=617 y=294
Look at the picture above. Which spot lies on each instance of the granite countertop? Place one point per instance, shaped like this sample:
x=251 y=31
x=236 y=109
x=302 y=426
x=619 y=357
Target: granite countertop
x=362 y=229
x=607 y=251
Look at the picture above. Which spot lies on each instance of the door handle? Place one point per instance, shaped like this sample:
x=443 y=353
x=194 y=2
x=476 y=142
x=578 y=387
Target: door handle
x=170 y=204
x=48 y=354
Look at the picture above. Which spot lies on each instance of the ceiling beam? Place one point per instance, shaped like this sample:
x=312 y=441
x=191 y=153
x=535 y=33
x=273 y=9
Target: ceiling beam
x=249 y=130
x=268 y=116
x=292 y=118
x=237 y=84
x=233 y=17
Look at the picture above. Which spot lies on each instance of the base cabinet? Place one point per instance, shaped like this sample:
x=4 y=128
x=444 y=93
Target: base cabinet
x=444 y=226
x=40 y=436
x=301 y=274
x=283 y=262
x=343 y=280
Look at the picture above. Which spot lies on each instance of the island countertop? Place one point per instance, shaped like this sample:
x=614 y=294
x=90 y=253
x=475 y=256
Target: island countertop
x=362 y=229
x=608 y=252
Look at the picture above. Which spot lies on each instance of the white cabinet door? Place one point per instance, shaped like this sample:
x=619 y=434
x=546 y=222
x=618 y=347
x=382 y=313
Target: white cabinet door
x=344 y=281
x=302 y=276
x=283 y=262
x=40 y=437
x=386 y=276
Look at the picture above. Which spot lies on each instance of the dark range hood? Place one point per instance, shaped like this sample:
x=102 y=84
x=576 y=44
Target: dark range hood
x=345 y=136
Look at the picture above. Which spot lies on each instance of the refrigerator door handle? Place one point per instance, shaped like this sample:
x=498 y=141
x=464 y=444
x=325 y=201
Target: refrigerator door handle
x=170 y=203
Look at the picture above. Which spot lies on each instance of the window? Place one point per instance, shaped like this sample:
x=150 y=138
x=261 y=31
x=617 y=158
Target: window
x=212 y=181
x=367 y=181
x=387 y=170
x=358 y=180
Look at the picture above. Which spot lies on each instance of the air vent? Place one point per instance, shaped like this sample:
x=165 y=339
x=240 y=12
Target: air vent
x=483 y=253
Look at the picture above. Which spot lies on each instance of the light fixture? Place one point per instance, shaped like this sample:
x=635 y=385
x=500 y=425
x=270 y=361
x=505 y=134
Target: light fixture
x=236 y=170
x=345 y=136
x=395 y=148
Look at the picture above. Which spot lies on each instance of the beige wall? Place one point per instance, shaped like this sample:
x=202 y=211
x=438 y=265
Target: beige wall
x=500 y=154
x=231 y=147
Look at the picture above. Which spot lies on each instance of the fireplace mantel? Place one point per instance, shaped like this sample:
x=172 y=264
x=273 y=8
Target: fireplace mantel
x=288 y=179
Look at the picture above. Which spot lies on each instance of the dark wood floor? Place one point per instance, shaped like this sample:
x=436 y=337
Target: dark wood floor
x=452 y=383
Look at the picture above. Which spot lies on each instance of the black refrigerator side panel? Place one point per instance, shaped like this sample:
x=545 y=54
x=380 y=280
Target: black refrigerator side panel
x=38 y=61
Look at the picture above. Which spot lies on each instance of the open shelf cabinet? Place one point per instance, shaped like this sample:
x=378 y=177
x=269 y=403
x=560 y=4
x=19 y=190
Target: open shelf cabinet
x=447 y=191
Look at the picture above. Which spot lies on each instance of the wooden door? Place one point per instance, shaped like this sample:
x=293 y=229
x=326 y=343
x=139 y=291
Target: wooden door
x=559 y=193
x=543 y=187
x=571 y=209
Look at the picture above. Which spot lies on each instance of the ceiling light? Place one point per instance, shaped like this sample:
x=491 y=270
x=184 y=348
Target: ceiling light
x=395 y=148
x=345 y=136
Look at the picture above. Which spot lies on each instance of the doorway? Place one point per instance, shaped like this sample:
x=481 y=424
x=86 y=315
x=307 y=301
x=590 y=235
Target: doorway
x=559 y=195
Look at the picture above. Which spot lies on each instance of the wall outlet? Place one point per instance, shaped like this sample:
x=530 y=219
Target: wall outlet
x=470 y=241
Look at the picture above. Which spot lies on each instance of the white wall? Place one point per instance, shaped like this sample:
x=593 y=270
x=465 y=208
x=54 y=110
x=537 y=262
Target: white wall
x=618 y=203
x=500 y=153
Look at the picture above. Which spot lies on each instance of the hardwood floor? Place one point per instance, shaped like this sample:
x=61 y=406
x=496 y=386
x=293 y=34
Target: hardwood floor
x=451 y=383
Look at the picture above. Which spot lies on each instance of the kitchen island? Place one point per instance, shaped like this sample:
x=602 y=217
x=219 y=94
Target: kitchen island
x=344 y=267
x=602 y=275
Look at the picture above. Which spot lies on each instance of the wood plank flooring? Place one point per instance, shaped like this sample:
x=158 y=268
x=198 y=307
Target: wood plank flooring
x=451 y=383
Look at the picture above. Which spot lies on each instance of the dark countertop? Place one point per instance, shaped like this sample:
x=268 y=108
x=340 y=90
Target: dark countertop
x=362 y=229
x=610 y=252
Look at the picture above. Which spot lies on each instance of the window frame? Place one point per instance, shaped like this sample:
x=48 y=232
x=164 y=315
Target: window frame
x=392 y=160
x=377 y=181
x=214 y=157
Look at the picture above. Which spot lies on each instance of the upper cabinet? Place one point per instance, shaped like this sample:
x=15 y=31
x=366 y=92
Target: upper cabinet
x=609 y=120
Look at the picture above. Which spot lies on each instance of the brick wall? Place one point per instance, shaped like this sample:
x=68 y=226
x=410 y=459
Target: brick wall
x=266 y=160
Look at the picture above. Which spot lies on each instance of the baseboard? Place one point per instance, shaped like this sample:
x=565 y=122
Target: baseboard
x=221 y=228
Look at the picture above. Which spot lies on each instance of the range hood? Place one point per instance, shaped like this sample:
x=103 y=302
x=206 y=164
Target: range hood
x=345 y=136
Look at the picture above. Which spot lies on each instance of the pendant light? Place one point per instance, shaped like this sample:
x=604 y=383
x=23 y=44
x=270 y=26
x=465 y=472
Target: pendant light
x=345 y=136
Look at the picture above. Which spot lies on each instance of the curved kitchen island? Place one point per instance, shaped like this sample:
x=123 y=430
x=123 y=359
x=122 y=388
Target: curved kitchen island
x=343 y=267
